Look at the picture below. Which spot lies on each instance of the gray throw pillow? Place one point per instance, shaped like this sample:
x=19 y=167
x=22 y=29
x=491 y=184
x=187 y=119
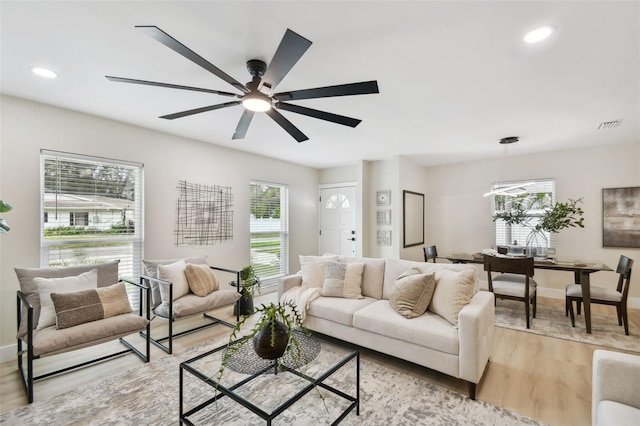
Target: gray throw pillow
x=412 y=293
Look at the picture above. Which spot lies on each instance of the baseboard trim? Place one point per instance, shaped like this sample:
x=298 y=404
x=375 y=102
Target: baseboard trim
x=8 y=353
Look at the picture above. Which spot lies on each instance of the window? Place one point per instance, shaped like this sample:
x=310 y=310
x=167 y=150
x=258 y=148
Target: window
x=75 y=188
x=269 y=230
x=536 y=197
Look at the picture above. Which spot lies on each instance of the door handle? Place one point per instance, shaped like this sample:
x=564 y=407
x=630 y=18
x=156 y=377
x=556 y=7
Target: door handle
x=351 y=239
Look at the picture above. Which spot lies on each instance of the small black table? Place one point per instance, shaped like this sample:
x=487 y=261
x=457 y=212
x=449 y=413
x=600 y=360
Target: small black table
x=252 y=382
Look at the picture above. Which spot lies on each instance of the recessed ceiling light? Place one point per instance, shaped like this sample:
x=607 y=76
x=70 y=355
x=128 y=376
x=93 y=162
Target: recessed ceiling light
x=538 y=34
x=44 y=72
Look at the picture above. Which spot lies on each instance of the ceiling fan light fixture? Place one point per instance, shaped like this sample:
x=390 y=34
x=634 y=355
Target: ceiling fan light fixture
x=256 y=102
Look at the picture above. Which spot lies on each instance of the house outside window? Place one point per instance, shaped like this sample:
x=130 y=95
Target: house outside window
x=269 y=225
x=75 y=188
x=535 y=198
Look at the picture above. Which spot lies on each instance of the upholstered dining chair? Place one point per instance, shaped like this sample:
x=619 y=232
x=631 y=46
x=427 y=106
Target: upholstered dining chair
x=430 y=253
x=515 y=281
x=605 y=296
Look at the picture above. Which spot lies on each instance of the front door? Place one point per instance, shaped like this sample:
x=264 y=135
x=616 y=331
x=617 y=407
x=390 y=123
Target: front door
x=338 y=220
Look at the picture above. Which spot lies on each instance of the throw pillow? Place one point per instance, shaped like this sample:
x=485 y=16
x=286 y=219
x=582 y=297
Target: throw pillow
x=412 y=292
x=454 y=290
x=174 y=273
x=90 y=305
x=313 y=268
x=201 y=279
x=151 y=269
x=46 y=286
x=342 y=280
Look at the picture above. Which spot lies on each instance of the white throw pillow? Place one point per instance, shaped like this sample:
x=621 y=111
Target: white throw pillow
x=312 y=268
x=174 y=273
x=342 y=280
x=454 y=291
x=46 y=286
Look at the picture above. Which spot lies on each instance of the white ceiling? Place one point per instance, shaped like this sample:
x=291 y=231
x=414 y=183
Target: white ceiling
x=454 y=76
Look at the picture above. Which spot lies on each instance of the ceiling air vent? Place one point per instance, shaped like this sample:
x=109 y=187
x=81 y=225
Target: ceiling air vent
x=609 y=124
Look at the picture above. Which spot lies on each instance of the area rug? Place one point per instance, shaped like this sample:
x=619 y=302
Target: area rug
x=551 y=321
x=149 y=395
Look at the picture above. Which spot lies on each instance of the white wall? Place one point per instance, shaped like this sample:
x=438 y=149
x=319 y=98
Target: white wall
x=412 y=177
x=28 y=127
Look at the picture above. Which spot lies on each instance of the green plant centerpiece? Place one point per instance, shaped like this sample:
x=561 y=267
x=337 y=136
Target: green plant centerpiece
x=4 y=226
x=554 y=219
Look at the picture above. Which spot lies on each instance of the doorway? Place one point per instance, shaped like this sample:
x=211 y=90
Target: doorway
x=337 y=210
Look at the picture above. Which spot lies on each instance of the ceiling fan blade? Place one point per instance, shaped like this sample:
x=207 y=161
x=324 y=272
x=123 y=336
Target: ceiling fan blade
x=363 y=88
x=327 y=116
x=287 y=125
x=290 y=50
x=199 y=110
x=168 y=85
x=243 y=124
x=183 y=50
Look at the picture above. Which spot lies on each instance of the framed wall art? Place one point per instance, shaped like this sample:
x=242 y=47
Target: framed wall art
x=383 y=198
x=383 y=217
x=413 y=218
x=621 y=217
x=384 y=237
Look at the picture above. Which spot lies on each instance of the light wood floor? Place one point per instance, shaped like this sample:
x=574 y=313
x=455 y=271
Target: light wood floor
x=542 y=377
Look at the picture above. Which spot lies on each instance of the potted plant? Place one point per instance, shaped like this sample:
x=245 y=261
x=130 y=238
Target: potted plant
x=249 y=286
x=4 y=226
x=554 y=219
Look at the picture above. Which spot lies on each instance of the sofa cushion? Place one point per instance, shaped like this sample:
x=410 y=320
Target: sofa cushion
x=174 y=273
x=428 y=330
x=192 y=304
x=46 y=286
x=50 y=341
x=201 y=279
x=372 y=275
x=90 y=305
x=151 y=269
x=615 y=413
x=412 y=293
x=313 y=269
x=337 y=309
x=342 y=280
x=107 y=275
x=454 y=290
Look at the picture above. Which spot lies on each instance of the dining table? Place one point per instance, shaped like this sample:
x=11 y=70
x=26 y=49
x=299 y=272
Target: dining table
x=581 y=270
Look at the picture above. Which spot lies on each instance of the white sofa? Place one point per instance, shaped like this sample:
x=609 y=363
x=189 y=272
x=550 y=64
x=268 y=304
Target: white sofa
x=429 y=340
x=616 y=389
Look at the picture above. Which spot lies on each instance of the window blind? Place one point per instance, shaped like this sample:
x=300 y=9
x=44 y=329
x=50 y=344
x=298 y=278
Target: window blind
x=269 y=224
x=91 y=212
x=538 y=196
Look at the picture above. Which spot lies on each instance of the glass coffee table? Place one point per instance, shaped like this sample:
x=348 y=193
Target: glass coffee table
x=314 y=380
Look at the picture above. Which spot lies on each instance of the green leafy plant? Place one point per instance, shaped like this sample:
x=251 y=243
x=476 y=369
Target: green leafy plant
x=249 y=282
x=553 y=220
x=4 y=226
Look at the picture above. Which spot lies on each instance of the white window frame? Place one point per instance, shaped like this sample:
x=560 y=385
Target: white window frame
x=269 y=276
x=125 y=246
x=504 y=234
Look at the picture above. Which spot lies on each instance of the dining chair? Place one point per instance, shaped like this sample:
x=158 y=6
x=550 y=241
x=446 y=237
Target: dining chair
x=605 y=296
x=430 y=253
x=515 y=281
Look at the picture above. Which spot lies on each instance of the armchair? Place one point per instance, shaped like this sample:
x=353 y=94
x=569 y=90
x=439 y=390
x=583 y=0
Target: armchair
x=616 y=389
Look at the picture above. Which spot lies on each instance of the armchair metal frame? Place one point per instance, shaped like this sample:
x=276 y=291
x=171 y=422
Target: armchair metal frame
x=28 y=378
x=171 y=335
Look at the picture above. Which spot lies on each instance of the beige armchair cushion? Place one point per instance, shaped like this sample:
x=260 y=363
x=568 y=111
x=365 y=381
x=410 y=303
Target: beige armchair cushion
x=151 y=269
x=201 y=279
x=192 y=304
x=173 y=273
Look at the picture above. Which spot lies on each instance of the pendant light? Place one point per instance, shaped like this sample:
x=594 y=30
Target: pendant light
x=508 y=188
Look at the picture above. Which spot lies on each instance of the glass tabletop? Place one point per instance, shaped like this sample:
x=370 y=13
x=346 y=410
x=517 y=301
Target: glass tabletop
x=269 y=385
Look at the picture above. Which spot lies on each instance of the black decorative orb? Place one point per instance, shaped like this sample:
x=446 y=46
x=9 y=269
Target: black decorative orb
x=262 y=341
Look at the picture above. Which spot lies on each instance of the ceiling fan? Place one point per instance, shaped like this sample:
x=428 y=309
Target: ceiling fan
x=258 y=94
